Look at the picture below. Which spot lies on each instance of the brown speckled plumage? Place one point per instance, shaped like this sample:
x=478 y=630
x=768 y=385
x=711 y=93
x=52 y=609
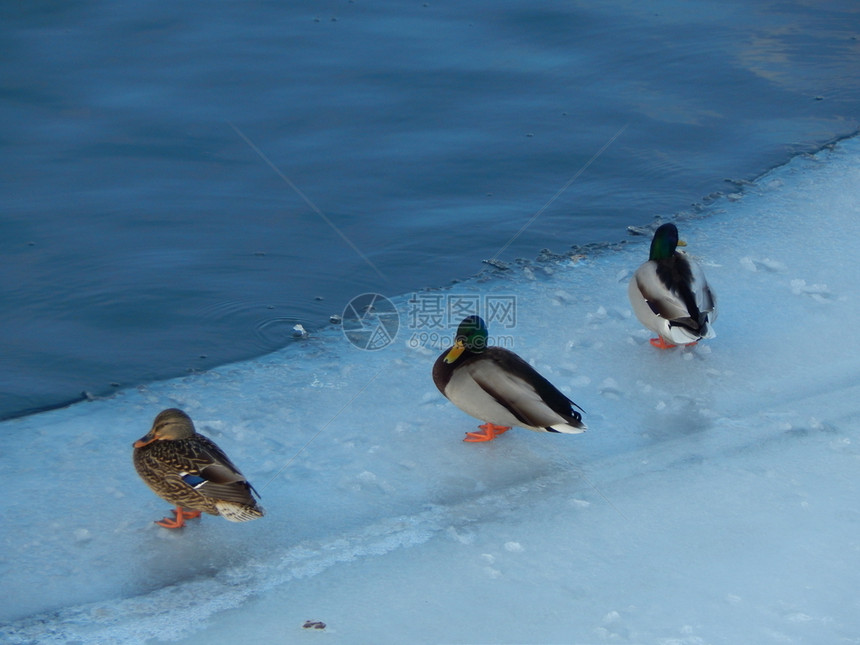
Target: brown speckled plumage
x=189 y=470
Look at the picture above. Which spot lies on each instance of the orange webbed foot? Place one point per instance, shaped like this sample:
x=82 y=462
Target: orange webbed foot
x=179 y=521
x=659 y=343
x=490 y=432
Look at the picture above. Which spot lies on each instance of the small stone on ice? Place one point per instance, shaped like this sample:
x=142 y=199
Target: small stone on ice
x=299 y=331
x=639 y=230
x=334 y=319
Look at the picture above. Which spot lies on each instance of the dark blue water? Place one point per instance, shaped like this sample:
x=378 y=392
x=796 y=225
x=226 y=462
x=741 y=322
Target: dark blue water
x=183 y=183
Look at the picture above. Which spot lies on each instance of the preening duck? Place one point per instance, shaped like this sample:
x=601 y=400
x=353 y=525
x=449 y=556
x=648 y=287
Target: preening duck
x=670 y=295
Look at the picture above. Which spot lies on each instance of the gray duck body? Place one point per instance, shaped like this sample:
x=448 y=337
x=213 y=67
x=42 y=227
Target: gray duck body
x=497 y=386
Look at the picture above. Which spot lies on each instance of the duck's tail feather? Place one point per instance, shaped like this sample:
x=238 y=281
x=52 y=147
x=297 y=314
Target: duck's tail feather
x=239 y=512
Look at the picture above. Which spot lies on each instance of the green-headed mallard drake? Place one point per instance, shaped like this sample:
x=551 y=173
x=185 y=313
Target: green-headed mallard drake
x=670 y=295
x=189 y=470
x=497 y=386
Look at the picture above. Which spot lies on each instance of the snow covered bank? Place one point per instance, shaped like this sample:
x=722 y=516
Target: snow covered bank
x=713 y=499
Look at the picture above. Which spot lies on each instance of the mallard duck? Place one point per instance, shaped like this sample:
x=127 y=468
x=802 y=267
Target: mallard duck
x=497 y=386
x=189 y=470
x=670 y=295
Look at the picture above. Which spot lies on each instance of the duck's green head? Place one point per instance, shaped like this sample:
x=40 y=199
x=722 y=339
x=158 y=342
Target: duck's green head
x=665 y=241
x=170 y=424
x=471 y=335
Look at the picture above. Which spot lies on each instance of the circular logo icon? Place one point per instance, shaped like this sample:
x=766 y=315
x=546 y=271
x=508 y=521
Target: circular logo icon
x=370 y=321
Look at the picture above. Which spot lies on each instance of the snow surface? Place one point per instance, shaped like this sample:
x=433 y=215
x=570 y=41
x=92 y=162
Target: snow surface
x=714 y=498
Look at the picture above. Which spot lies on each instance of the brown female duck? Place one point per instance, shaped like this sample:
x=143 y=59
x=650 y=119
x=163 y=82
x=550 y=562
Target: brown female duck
x=189 y=470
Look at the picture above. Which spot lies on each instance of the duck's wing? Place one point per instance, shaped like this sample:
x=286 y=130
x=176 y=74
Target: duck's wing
x=706 y=300
x=660 y=294
x=675 y=289
x=518 y=387
x=210 y=472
